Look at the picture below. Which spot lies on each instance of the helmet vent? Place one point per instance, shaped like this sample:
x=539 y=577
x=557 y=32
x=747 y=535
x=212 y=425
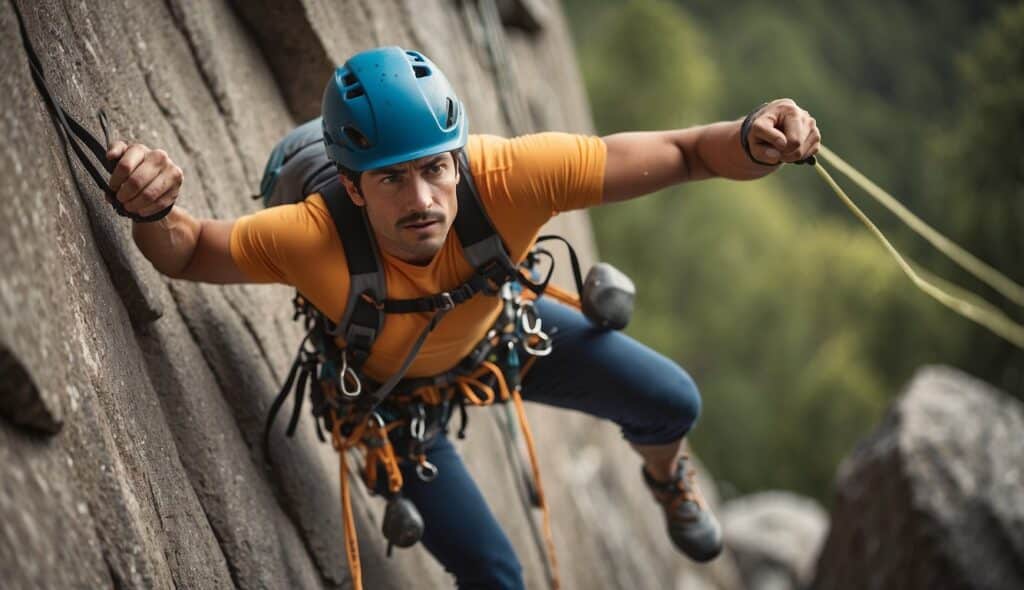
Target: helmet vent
x=356 y=137
x=348 y=80
x=354 y=93
x=452 y=114
x=413 y=56
x=421 y=71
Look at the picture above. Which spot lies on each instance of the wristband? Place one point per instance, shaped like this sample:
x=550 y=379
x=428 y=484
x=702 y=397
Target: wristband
x=745 y=135
x=154 y=217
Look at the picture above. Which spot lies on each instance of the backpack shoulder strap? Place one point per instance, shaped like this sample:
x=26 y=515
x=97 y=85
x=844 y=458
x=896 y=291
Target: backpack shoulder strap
x=480 y=240
x=362 y=320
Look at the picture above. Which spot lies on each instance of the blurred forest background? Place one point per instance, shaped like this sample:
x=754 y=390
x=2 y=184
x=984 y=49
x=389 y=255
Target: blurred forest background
x=797 y=325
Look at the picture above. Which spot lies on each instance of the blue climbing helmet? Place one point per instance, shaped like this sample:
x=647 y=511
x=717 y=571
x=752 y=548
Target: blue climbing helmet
x=389 y=105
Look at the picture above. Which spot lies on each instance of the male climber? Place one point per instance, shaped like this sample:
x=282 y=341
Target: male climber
x=392 y=132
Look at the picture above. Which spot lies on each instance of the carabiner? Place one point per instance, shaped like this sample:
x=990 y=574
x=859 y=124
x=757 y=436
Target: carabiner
x=347 y=374
x=544 y=347
x=418 y=424
x=524 y=312
x=426 y=471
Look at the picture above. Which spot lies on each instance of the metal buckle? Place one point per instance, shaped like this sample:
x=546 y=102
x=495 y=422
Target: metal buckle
x=447 y=303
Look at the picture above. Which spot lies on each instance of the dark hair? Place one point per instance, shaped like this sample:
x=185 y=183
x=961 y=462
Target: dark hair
x=354 y=175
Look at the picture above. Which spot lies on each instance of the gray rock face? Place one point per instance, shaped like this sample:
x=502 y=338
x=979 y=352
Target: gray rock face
x=776 y=537
x=935 y=497
x=131 y=406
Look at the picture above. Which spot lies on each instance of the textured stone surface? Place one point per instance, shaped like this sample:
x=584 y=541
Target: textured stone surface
x=153 y=392
x=935 y=497
x=775 y=537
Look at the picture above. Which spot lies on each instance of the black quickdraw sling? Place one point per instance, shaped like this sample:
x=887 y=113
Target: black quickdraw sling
x=76 y=134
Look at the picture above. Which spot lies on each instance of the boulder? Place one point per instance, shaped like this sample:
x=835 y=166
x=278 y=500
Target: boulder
x=775 y=537
x=935 y=497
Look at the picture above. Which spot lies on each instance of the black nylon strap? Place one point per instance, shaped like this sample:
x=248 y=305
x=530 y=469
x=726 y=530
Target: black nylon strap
x=73 y=131
x=374 y=399
x=362 y=320
x=448 y=299
x=282 y=395
x=577 y=274
x=471 y=223
x=360 y=252
x=300 y=396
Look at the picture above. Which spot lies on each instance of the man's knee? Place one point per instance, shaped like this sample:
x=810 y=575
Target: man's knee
x=673 y=409
x=682 y=400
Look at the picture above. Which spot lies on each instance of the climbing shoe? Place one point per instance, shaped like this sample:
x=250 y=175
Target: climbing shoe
x=691 y=526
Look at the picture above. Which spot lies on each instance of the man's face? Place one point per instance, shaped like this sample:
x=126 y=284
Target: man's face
x=411 y=206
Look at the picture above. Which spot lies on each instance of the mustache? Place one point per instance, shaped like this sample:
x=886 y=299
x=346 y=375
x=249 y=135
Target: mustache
x=423 y=217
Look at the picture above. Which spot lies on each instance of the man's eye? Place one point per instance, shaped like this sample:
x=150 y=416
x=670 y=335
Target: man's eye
x=389 y=179
x=436 y=169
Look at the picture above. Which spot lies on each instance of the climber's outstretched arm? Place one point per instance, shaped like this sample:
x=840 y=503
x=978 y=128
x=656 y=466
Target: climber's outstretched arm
x=146 y=181
x=643 y=162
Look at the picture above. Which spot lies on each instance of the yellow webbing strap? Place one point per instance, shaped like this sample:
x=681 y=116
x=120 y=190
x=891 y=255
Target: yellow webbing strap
x=983 y=272
x=959 y=300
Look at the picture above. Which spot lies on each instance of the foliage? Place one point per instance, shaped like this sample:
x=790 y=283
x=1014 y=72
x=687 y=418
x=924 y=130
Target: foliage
x=984 y=177
x=793 y=320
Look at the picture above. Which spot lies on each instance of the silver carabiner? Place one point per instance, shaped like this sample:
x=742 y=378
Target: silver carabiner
x=418 y=425
x=426 y=471
x=345 y=375
x=543 y=349
x=376 y=417
x=524 y=313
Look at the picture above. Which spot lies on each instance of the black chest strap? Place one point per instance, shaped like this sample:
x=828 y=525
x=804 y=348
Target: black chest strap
x=362 y=321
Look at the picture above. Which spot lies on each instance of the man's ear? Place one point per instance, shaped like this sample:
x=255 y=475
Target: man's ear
x=353 y=191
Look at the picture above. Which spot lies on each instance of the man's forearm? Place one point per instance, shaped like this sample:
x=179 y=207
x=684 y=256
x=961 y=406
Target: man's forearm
x=640 y=163
x=717 y=152
x=169 y=243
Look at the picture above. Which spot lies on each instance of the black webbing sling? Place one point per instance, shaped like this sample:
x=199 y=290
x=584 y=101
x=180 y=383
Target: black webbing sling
x=75 y=132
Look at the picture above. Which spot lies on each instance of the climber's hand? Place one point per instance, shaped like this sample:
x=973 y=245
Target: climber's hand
x=783 y=132
x=145 y=181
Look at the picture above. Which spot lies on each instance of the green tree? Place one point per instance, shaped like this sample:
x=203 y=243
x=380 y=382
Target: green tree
x=648 y=68
x=984 y=174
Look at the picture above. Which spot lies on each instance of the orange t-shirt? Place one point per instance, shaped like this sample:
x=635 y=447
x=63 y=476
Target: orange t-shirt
x=522 y=182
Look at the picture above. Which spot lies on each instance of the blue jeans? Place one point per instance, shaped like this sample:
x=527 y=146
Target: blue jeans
x=603 y=373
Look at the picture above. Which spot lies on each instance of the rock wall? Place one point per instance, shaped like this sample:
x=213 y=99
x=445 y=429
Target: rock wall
x=935 y=497
x=131 y=406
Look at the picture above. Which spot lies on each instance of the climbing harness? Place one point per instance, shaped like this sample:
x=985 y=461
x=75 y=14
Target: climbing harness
x=419 y=408
x=76 y=134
